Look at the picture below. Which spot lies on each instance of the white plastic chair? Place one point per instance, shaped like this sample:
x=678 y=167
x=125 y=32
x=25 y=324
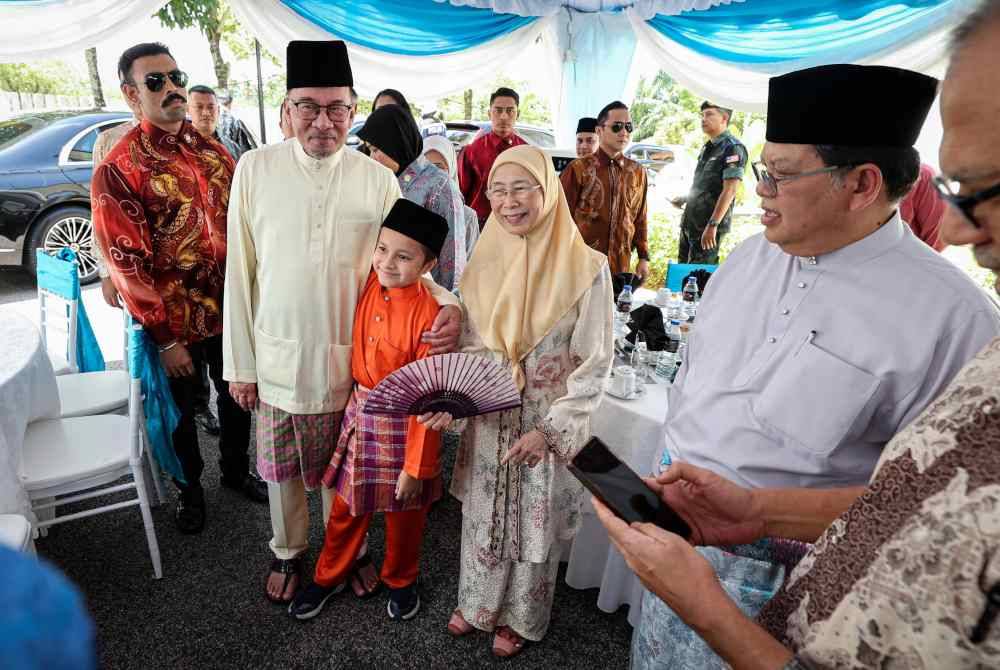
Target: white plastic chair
x=89 y=393
x=82 y=458
x=15 y=532
x=58 y=313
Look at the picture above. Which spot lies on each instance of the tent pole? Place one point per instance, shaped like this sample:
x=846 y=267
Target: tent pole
x=260 y=94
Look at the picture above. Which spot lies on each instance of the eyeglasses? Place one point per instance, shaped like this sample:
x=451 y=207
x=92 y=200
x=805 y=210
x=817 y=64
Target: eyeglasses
x=770 y=182
x=948 y=189
x=154 y=81
x=617 y=126
x=519 y=193
x=309 y=111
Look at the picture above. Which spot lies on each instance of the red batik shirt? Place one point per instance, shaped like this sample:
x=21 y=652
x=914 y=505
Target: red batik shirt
x=160 y=203
x=474 y=165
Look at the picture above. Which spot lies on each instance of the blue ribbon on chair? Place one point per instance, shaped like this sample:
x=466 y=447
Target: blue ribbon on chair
x=162 y=414
x=59 y=275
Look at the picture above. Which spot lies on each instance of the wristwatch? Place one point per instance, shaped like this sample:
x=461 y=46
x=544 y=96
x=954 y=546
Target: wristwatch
x=712 y=223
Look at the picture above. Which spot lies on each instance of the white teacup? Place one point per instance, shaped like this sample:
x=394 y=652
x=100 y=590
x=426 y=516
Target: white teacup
x=623 y=382
x=663 y=297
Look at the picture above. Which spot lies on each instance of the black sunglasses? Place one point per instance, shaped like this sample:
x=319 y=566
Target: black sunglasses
x=617 y=126
x=948 y=190
x=154 y=81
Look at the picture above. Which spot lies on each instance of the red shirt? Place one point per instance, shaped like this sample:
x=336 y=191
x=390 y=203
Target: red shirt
x=923 y=209
x=474 y=164
x=160 y=205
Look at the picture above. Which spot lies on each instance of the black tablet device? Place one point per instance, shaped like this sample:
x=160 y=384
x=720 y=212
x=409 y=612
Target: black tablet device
x=617 y=486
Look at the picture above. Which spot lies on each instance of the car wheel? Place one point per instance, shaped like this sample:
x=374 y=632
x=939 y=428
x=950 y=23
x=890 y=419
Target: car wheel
x=65 y=227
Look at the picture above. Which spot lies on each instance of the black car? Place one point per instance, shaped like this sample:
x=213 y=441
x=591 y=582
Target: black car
x=46 y=162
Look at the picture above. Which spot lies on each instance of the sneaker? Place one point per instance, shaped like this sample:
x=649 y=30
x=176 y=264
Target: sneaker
x=404 y=603
x=190 y=512
x=310 y=601
x=251 y=486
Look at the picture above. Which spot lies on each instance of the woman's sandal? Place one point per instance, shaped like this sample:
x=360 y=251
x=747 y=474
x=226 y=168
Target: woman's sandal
x=291 y=567
x=458 y=626
x=507 y=643
x=356 y=580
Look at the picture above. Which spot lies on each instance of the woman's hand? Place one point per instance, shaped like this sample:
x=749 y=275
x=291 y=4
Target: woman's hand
x=435 y=420
x=530 y=449
x=407 y=487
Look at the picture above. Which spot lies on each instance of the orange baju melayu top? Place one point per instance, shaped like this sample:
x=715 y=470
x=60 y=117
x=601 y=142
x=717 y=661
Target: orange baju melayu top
x=372 y=450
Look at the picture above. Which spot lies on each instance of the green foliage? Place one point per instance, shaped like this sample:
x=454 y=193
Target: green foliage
x=533 y=110
x=51 y=76
x=206 y=15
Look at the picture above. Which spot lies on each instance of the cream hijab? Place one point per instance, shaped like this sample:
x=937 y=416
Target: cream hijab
x=517 y=287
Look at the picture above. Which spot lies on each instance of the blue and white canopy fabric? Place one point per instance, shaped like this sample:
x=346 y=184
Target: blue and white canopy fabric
x=582 y=50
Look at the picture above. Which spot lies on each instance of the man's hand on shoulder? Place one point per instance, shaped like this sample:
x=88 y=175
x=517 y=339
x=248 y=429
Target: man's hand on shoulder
x=445 y=331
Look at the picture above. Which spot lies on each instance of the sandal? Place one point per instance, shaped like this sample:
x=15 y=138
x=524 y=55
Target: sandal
x=291 y=567
x=458 y=626
x=356 y=580
x=507 y=643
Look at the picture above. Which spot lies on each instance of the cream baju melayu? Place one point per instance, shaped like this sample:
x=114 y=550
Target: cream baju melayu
x=300 y=237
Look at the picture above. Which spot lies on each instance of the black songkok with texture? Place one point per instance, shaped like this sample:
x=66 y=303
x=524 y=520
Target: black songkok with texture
x=845 y=105
x=418 y=223
x=311 y=63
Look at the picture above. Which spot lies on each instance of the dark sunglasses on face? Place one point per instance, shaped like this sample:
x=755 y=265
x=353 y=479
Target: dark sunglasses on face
x=617 y=126
x=948 y=190
x=154 y=81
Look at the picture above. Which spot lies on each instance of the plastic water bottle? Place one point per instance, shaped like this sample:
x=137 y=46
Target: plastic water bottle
x=624 y=303
x=691 y=297
x=673 y=335
x=679 y=359
x=666 y=365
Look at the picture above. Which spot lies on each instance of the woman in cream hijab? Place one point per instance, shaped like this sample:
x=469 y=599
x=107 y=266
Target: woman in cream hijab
x=440 y=153
x=539 y=302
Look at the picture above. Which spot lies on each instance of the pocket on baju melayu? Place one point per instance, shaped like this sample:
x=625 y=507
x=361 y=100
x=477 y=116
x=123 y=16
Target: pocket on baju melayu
x=277 y=360
x=814 y=398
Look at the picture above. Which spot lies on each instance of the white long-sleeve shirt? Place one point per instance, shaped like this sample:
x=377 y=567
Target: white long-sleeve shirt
x=800 y=370
x=301 y=233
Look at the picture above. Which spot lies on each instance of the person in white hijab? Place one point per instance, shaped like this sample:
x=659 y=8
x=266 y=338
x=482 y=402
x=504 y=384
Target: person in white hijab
x=440 y=152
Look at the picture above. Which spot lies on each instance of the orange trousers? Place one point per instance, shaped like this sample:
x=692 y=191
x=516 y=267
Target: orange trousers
x=345 y=535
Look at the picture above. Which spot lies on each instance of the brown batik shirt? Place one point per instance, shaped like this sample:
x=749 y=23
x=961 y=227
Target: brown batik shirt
x=608 y=200
x=901 y=578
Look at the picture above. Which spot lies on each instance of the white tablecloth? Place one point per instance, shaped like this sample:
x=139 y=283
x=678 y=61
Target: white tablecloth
x=631 y=428
x=28 y=392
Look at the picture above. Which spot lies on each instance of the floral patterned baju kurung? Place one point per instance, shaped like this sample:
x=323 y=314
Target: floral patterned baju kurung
x=423 y=183
x=515 y=517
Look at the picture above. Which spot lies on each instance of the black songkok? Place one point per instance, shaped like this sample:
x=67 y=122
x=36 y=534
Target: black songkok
x=312 y=63
x=839 y=105
x=586 y=125
x=418 y=223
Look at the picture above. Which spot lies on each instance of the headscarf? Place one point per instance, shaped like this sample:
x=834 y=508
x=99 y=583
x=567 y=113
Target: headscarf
x=517 y=287
x=392 y=130
x=443 y=146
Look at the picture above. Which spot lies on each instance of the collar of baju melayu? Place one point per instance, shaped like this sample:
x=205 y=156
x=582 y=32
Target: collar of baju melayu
x=316 y=164
x=884 y=238
x=404 y=293
x=495 y=141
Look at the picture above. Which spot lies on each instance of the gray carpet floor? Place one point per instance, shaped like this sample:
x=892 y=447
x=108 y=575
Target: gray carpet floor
x=209 y=610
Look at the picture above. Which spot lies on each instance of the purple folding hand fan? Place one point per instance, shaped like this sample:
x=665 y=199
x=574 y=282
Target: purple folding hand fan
x=460 y=384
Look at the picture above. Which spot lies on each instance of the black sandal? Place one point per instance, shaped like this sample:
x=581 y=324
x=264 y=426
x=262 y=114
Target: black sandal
x=291 y=567
x=363 y=562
